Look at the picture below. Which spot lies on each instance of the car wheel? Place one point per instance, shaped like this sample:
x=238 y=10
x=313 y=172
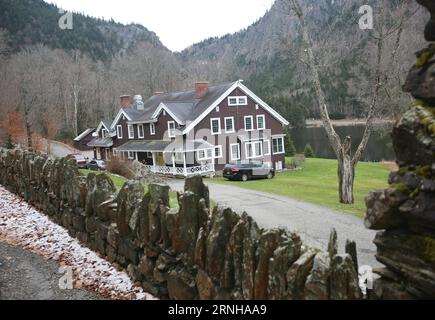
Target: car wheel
x=245 y=178
x=270 y=175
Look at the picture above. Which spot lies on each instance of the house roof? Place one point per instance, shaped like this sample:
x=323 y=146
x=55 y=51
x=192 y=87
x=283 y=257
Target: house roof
x=164 y=146
x=84 y=134
x=185 y=108
x=101 y=143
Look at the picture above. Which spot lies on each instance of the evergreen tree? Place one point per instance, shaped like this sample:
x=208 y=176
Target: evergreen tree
x=290 y=149
x=309 y=152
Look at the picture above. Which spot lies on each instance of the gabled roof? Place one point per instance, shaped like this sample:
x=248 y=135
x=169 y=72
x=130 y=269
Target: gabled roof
x=84 y=134
x=101 y=143
x=186 y=109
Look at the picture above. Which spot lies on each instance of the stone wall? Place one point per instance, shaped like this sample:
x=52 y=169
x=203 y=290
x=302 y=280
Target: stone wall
x=193 y=252
x=406 y=211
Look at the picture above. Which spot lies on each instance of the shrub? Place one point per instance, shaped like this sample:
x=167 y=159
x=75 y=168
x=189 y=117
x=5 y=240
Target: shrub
x=120 y=167
x=337 y=115
x=297 y=161
x=308 y=151
x=290 y=149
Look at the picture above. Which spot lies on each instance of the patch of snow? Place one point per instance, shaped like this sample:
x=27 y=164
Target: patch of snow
x=22 y=225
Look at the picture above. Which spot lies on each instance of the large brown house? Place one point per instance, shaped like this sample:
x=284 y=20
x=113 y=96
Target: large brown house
x=193 y=132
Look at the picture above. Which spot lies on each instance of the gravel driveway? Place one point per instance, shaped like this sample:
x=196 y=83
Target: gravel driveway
x=313 y=222
x=26 y=276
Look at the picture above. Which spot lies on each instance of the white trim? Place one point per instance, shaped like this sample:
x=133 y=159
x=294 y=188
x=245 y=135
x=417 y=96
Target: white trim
x=206 y=155
x=130 y=136
x=238 y=151
x=211 y=126
x=252 y=122
x=263 y=104
x=169 y=129
x=249 y=93
x=163 y=107
x=238 y=101
x=211 y=108
x=119 y=136
x=140 y=136
x=131 y=157
x=152 y=129
x=254 y=149
x=283 y=145
x=225 y=124
x=268 y=150
x=83 y=134
x=264 y=121
x=100 y=126
x=104 y=133
x=221 y=154
x=118 y=116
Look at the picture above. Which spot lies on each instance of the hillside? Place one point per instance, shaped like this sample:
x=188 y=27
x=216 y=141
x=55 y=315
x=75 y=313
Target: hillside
x=30 y=22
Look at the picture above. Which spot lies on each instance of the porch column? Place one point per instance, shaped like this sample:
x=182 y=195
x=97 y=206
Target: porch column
x=213 y=160
x=184 y=163
x=154 y=161
x=137 y=156
x=173 y=163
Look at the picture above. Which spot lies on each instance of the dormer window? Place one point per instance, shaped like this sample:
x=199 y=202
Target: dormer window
x=119 y=131
x=152 y=129
x=237 y=101
x=104 y=133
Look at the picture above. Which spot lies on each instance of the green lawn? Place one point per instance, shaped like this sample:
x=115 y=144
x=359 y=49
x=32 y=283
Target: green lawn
x=317 y=183
x=119 y=183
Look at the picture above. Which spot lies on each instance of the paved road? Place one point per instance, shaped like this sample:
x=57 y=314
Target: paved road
x=313 y=222
x=26 y=276
x=59 y=149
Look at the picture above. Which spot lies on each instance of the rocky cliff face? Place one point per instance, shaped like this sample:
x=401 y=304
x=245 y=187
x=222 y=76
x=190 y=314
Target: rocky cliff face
x=193 y=252
x=406 y=211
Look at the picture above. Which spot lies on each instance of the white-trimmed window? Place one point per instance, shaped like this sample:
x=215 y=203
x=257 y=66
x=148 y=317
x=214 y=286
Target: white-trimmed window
x=254 y=149
x=131 y=155
x=278 y=145
x=130 y=128
x=218 y=152
x=104 y=133
x=119 y=131
x=179 y=157
x=229 y=125
x=249 y=123
x=152 y=129
x=215 y=125
x=237 y=101
x=261 y=122
x=171 y=129
x=235 y=152
x=140 y=131
x=205 y=154
x=266 y=147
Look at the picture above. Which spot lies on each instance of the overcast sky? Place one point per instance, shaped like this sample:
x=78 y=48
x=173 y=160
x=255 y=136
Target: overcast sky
x=178 y=23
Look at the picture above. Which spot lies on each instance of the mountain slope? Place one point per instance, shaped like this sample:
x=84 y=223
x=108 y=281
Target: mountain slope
x=30 y=22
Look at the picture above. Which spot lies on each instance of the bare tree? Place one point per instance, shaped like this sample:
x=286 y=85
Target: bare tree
x=342 y=149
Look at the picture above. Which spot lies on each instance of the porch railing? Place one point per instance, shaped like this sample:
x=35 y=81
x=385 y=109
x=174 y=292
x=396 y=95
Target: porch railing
x=180 y=171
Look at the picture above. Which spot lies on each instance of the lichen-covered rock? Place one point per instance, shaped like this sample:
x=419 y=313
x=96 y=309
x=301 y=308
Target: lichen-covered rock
x=350 y=249
x=172 y=225
x=318 y=281
x=332 y=244
x=129 y=202
x=223 y=222
x=181 y=285
x=201 y=248
x=344 y=279
x=269 y=242
x=284 y=256
x=195 y=184
x=429 y=32
x=298 y=273
x=383 y=209
x=101 y=189
x=204 y=285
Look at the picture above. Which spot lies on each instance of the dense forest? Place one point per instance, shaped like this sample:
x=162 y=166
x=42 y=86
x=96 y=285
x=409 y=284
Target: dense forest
x=76 y=76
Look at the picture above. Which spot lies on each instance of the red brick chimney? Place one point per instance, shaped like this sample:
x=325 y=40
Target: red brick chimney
x=125 y=101
x=201 y=89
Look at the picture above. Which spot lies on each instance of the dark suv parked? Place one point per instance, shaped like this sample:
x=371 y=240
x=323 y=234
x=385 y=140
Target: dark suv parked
x=246 y=170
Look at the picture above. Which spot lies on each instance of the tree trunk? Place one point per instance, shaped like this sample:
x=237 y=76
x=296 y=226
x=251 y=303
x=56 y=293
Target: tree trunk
x=346 y=173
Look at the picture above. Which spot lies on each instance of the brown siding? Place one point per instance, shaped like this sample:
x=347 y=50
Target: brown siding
x=238 y=113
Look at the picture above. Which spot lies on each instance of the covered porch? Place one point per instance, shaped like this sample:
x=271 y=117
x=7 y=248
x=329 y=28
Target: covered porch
x=170 y=157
